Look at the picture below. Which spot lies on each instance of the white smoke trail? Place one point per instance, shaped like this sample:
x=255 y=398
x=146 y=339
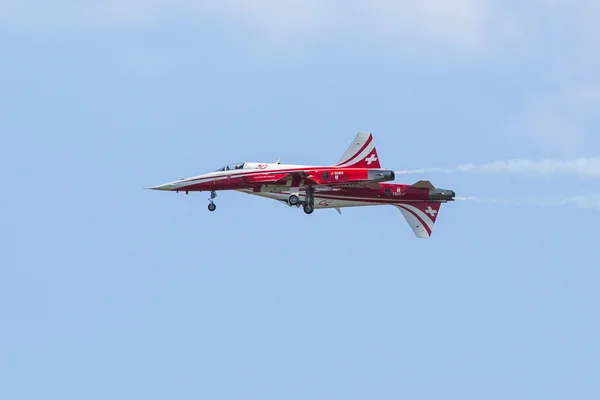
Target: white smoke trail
x=419 y=171
x=586 y=201
x=585 y=167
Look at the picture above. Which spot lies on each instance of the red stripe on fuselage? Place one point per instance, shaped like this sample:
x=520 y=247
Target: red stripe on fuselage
x=258 y=172
x=367 y=199
x=386 y=201
x=219 y=182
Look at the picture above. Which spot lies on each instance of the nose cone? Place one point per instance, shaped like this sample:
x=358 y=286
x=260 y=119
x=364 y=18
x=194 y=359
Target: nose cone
x=166 y=186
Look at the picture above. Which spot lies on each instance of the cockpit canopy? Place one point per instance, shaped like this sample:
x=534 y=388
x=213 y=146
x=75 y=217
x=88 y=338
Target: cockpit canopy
x=233 y=167
x=245 y=165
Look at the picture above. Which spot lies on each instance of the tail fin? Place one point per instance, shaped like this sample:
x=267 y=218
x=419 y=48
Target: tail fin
x=361 y=153
x=420 y=216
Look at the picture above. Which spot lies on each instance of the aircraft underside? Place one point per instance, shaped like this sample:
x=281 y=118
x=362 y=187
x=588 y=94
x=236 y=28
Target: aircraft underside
x=323 y=199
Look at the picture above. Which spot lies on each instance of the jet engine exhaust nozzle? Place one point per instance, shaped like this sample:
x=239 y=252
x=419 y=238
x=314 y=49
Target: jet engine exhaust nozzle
x=441 y=195
x=381 y=175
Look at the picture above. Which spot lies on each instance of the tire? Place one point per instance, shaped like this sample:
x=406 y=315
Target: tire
x=293 y=200
x=212 y=207
x=308 y=209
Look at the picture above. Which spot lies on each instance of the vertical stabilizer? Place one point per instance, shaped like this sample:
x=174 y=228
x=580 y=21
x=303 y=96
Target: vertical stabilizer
x=420 y=216
x=361 y=153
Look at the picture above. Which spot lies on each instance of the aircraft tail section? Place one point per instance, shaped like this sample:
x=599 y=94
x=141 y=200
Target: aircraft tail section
x=361 y=153
x=421 y=216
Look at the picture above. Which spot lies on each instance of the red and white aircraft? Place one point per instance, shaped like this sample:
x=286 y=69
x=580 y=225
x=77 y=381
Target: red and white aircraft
x=356 y=180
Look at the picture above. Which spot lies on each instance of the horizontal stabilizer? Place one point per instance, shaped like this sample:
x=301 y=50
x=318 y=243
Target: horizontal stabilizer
x=423 y=184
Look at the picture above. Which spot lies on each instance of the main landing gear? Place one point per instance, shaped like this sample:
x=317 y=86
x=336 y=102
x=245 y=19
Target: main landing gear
x=212 y=206
x=294 y=200
x=309 y=201
x=308 y=209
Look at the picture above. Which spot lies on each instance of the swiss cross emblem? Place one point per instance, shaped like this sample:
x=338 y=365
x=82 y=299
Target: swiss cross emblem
x=431 y=211
x=371 y=159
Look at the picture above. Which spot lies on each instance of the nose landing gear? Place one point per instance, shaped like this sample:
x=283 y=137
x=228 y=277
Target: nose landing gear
x=212 y=206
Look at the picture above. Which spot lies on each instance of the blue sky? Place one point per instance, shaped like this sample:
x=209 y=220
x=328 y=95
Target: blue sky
x=110 y=291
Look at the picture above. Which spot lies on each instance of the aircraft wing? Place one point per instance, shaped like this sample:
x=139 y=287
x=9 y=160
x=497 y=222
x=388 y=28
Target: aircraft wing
x=307 y=179
x=297 y=177
x=271 y=178
x=361 y=185
x=283 y=178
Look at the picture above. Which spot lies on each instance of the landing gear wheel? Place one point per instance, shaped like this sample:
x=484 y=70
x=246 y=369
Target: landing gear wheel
x=309 y=203
x=212 y=206
x=293 y=200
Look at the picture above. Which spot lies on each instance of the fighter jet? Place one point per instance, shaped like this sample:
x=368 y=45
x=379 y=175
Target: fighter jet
x=356 y=180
